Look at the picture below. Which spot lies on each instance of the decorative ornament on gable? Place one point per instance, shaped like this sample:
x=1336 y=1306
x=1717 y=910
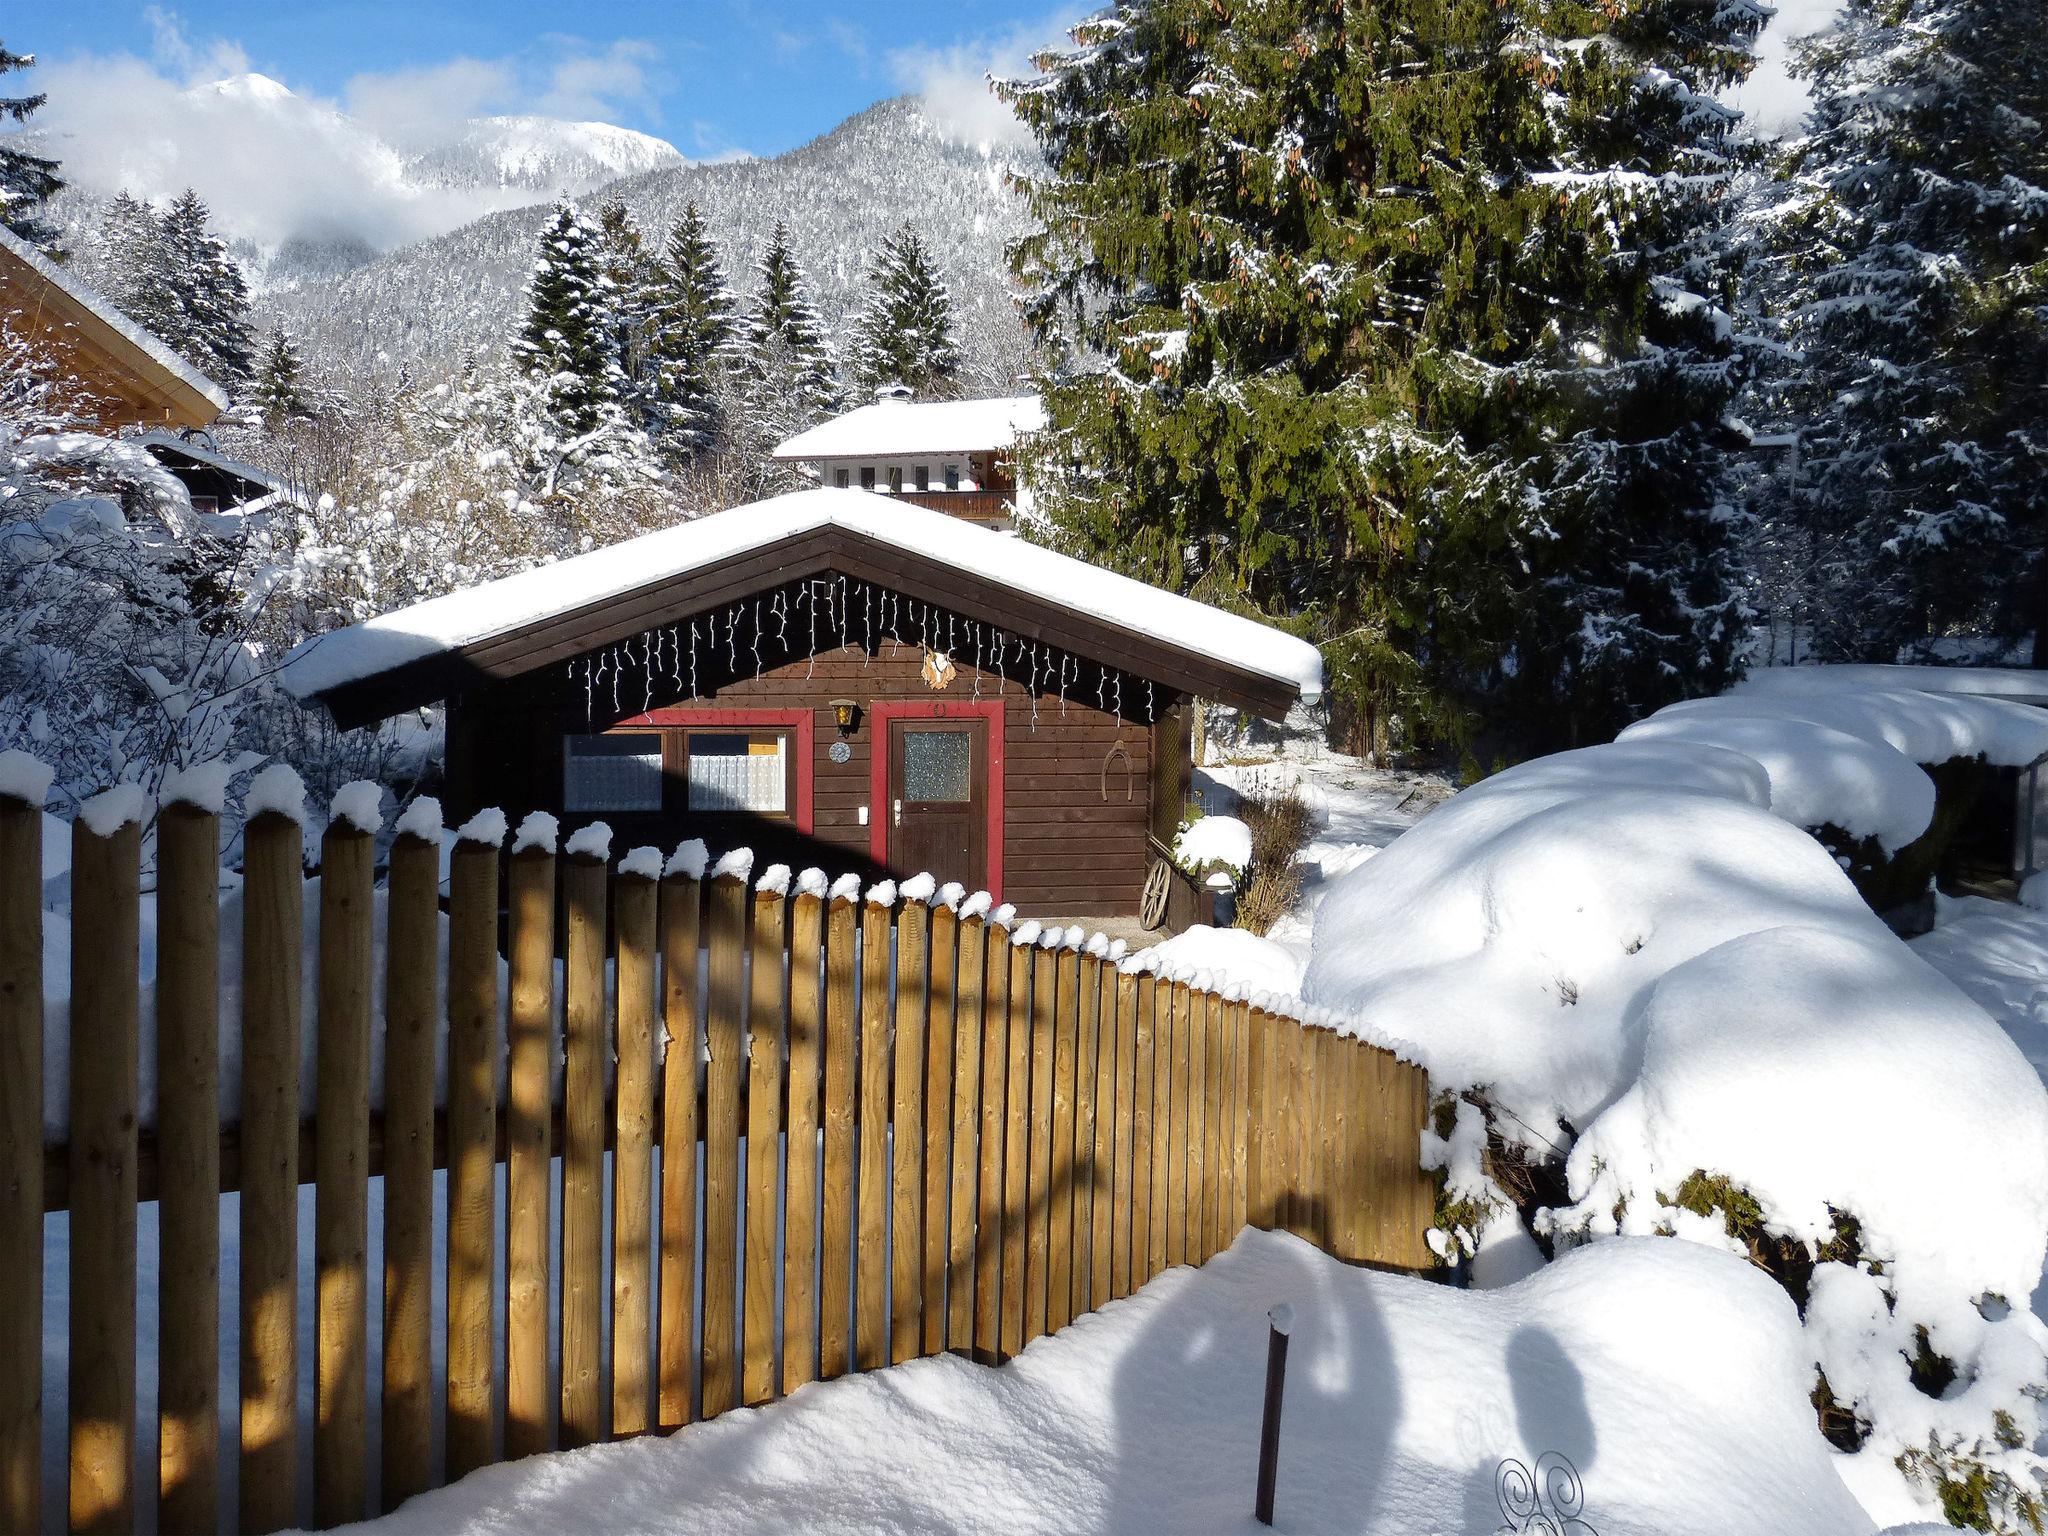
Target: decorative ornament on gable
x=939 y=670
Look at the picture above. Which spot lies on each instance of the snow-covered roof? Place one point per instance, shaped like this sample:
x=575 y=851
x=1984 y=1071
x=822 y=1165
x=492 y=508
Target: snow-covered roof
x=445 y=625
x=200 y=453
x=890 y=428
x=112 y=350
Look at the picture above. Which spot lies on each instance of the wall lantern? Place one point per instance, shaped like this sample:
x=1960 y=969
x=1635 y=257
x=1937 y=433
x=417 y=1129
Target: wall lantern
x=846 y=715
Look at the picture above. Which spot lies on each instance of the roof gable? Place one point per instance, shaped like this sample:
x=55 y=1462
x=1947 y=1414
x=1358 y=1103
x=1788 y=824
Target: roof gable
x=540 y=617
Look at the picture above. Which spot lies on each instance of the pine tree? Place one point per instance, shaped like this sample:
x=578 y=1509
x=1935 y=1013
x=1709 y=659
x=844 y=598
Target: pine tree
x=1906 y=258
x=1411 y=327
x=693 y=330
x=626 y=299
x=188 y=290
x=566 y=341
x=789 y=373
x=27 y=179
x=279 y=391
x=122 y=251
x=904 y=335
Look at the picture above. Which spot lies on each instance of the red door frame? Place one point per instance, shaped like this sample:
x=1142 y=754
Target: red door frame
x=885 y=711
x=800 y=723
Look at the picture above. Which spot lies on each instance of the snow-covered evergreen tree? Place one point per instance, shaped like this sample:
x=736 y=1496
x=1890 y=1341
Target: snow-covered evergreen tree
x=625 y=295
x=904 y=335
x=122 y=251
x=27 y=179
x=565 y=342
x=1906 y=258
x=788 y=371
x=693 y=331
x=1409 y=328
x=172 y=274
x=279 y=390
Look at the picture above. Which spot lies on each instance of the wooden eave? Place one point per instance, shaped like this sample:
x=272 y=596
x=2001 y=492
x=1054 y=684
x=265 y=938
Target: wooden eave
x=553 y=640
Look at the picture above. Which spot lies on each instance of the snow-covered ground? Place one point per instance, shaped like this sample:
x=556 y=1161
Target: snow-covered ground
x=1666 y=1373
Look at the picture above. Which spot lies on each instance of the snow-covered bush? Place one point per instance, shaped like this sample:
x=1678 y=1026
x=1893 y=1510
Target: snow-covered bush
x=1662 y=1008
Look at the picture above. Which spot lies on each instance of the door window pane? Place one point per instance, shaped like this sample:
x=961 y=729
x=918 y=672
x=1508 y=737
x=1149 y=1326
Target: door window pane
x=924 y=477
x=839 y=477
x=867 y=477
x=952 y=477
x=612 y=773
x=896 y=480
x=938 y=766
x=739 y=771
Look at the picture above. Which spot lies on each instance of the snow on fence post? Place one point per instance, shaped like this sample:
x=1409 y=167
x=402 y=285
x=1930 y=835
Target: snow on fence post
x=21 y=1142
x=906 y=1189
x=765 y=1020
x=1123 y=1125
x=726 y=1044
x=871 y=1314
x=682 y=913
x=585 y=1047
x=1061 y=1207
x=1017 y=1141
x=341 y=1158
x=106 y=872
x=800 y=1241
x=633 y=1157
x=970 y=972
x=188 y=1166
x=988 y=1196
x=835 y=1300
x=529 y=1153
x=412 y=1026
x=939 y=1041
x=273 y=895
x=472 y=1137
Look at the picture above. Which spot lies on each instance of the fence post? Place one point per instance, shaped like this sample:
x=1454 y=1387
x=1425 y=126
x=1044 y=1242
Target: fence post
x=633 y=1154
x=906 y=1279
x=1259 y=1095
x=970 y=978
x=801 y=1221
x=472 y=1137
x=341 y=1171
x=529 y=1158
x=272 y=897
x=188 y=1124
x=765 y=1015
x=842 y=1087
x=725 y=1042
x=1122 y=1212
x=1038 y=1190
x=1016 y=1142
x=938 y=1123
x=585 y=1047
x=1194 y=1235
x=682 y=907
x=105 y=912
x=988 y=1198
x=21 y=1163
x=412 y=959
x=871 y=1333
x=1182 y=1073
x=1101 y=1120
x=1148 y=1111
x=1240 y=1115
x=1060 y=1207
x=1217 y=1128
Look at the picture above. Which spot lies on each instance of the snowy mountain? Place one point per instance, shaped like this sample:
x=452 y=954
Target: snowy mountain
x=302 y=190
x=428 y=305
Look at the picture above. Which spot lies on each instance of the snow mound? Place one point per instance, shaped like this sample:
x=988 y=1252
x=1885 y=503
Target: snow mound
x=276 y=791
x=845 y=888
x=774 y=880
x=591 y=842
x=919 y=887
x=1237 y=953
x=738 y=864
x=25 y=777
x=689 y=860
x=1215 y=840
x=359 y=804
x=1669 y=1375
x=641 y=864
x=421 y=819
x=109 y=811
x=812 y=882
x=537 y=830
x=486 y=826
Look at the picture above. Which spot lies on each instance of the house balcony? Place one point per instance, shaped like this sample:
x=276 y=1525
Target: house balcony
x=990 y=509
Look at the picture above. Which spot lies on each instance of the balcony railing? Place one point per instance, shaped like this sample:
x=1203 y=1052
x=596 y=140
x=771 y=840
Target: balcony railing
x=990 y=508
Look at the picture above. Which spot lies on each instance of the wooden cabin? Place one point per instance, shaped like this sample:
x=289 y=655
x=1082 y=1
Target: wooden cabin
x=219 y=486
x=953 y=456
x=115 y=373
x=834 y=681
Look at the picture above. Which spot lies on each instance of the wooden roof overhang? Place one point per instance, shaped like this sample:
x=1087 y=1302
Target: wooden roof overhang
x=818 y=551
x=129 y=383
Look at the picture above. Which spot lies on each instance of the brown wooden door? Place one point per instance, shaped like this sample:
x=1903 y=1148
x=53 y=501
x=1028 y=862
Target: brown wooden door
x=938 y=799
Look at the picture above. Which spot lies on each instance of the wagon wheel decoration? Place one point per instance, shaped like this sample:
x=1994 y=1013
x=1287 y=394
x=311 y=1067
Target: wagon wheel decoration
x=1158 y=886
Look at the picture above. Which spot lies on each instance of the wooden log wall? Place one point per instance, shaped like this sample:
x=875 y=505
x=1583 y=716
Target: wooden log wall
x=919 y=1129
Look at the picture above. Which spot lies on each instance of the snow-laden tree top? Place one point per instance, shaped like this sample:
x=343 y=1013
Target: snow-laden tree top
x=480 y=613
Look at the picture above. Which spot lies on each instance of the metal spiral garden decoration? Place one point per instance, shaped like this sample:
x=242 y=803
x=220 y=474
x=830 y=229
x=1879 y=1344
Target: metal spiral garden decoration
x=1546 y=1501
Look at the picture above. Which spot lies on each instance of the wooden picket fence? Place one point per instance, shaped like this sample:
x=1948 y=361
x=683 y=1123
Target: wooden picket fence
x=1056 y=1127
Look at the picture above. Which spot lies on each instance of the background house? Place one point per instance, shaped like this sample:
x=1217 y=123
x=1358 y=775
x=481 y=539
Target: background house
x=953 y=456
x=217 y=484
x=829 y=680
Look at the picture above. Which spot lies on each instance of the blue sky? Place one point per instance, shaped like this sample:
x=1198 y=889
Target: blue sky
x=710 y=76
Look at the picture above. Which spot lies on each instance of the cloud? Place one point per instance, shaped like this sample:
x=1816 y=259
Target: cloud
x=175 y=52
x=605 y=84
x=953 y=81
x=412 y=105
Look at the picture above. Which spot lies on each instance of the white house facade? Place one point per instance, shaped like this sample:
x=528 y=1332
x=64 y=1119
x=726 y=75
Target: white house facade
x=953 y=456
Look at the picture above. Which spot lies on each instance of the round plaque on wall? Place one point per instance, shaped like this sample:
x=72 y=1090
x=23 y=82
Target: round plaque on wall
x=840 y=751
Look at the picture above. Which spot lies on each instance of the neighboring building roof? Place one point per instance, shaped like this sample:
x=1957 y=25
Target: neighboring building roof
x=894 y=428
x=135 y=378
x=504 y=628
x=162 y=443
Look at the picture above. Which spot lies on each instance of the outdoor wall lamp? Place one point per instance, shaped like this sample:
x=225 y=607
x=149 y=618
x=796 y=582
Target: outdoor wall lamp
x=846 y=715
